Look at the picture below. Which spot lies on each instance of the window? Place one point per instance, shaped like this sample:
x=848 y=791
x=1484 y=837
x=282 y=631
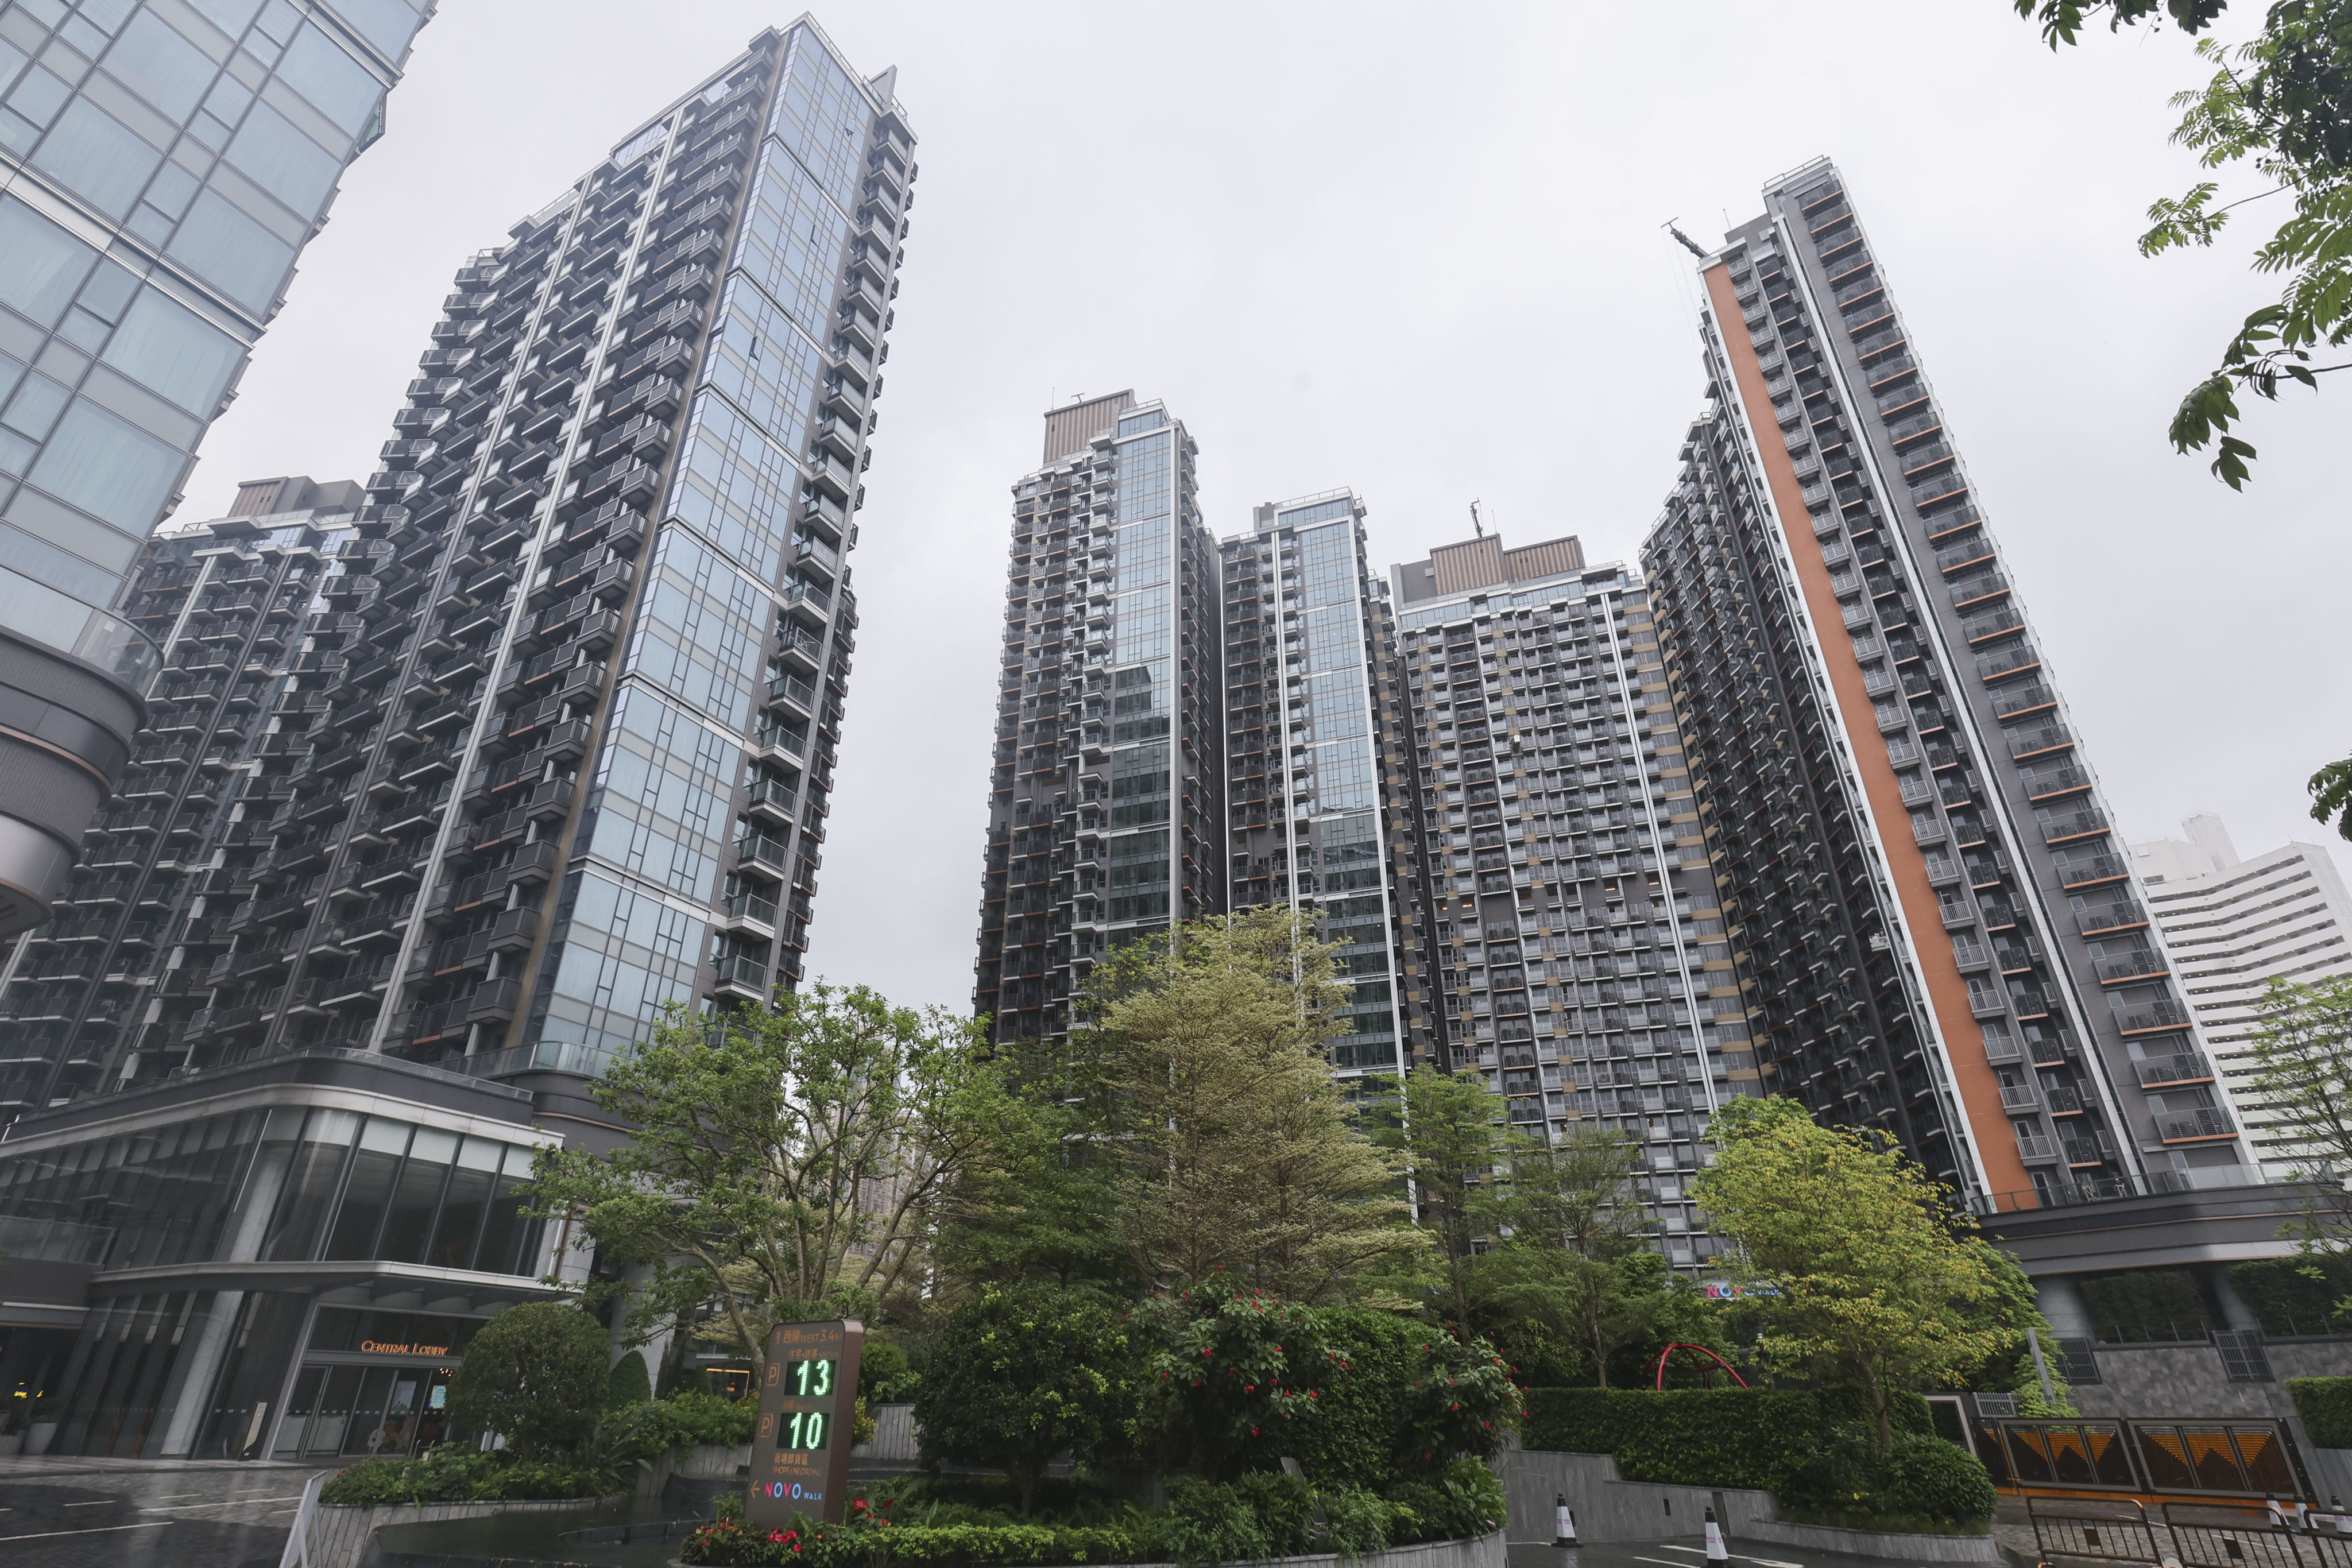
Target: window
x=386 y=24
x=223 y=245
x=109 y=469
x=229 y=16
x=285 y=163
x=96 y=157
x=162 y=67
x=331 y=79
x=170 y=349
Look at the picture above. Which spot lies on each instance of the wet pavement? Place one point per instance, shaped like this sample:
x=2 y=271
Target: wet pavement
x=98 y=1513
x=1689 y=1551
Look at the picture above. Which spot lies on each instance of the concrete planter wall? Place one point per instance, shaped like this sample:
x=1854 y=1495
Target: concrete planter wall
x=341 y=1536
x=894 y=1440
x=1608 y=1507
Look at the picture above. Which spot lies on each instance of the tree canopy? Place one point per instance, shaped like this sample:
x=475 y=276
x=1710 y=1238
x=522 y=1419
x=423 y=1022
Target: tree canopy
x=1238 y=1151
x=1873 y=1277
x=2280 y=104
x=784 y=1159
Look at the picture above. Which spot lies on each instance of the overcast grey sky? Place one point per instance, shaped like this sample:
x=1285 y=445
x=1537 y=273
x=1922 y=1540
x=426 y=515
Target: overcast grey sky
x=1416 y=249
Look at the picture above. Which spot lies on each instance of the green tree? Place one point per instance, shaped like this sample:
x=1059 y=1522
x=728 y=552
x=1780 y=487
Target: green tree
x=1023 y=1373
x=628 y=1383
x=1237 y=1150
x=1045 y=1206
x=1875 y=1279
x=2280 y=105
x=1447 y=1128
x=1570 y=1262
x=2303 y=1075
x=785 y=1159
x=535 y=1374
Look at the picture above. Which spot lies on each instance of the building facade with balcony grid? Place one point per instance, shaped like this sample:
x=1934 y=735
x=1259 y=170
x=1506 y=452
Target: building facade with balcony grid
x=1320 y=809
x=1569 y=941
x=541 y=738
x=1939 y=936
x=1104 y=798
x=162 y=167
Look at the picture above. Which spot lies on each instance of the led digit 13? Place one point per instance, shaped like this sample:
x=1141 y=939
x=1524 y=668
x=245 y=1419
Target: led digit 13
x=813 y=1379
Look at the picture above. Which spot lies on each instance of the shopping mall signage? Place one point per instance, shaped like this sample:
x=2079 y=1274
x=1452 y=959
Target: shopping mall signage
x=385 y=1347
x=808 y=1401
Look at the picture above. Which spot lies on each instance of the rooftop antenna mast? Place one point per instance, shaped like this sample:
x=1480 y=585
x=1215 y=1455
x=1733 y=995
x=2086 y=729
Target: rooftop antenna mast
x=1476 y=526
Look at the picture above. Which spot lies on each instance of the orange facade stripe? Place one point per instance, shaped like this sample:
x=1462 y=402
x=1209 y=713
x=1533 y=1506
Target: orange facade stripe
x=1948 y=993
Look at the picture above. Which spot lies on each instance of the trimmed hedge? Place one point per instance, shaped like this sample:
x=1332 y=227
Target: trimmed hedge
x=2298 y=1295
x=2326 y=1406
x=1761 y=1437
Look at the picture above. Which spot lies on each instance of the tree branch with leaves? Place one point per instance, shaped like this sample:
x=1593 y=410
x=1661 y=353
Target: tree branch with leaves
x=2281 y=104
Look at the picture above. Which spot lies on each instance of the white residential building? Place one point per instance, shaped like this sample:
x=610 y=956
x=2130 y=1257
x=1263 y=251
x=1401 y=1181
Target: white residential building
x=2233 y=925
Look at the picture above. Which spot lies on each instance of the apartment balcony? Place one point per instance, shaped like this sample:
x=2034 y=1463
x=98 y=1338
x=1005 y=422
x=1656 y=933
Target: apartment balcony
x=2083 y=871
x=2023 y=744
x=2145 y=965
x=2095 y=1150
x=2174 y=1071
x=2032 y=1147
x=748 y=913
x=2019 y=1098
x=2165 y=1015
x=762 y=854
x=741 y=977
x=1985 y=1002
x=2119 y=915
x=2077 y=825
x=2196 y=1126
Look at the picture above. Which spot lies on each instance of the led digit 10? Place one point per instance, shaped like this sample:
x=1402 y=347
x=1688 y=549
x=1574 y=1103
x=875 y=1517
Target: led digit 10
x=813 y=1379
x=805 y=1431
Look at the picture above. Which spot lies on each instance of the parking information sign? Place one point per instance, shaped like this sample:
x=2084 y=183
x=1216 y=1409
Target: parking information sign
x=808 y=1397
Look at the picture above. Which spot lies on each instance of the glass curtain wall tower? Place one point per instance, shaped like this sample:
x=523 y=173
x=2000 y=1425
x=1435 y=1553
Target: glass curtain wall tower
x=1943 y=937
x=1572 y=945
x=1105 y=803
x=1319 y=808
x=162 y=165
x=560 y=743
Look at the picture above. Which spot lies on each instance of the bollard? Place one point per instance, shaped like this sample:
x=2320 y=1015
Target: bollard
x=1563 y=1528
x=1714 y=1548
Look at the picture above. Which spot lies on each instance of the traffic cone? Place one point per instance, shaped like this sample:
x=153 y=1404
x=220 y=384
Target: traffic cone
x=1715 y=1548
x=1563 y=1525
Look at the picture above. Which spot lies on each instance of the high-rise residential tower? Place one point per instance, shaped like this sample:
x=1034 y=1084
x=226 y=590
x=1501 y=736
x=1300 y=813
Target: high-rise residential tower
x=1106 y=813
x=162 y=165
x=1571 y=943
x=2232 y=926
x=1318 y=802
x=483 y=773
x=1940 y=934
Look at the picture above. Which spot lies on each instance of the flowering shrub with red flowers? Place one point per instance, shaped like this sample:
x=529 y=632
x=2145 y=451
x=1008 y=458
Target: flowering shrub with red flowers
x=1239 y=1376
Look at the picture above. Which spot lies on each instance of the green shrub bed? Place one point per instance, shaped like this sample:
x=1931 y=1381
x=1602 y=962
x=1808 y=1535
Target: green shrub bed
x=2326 y=1406
x=461 y=1475
x=1812 y=1450
x=965 y=1522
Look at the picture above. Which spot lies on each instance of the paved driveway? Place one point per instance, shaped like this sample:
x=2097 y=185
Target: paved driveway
x=87 y=1513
